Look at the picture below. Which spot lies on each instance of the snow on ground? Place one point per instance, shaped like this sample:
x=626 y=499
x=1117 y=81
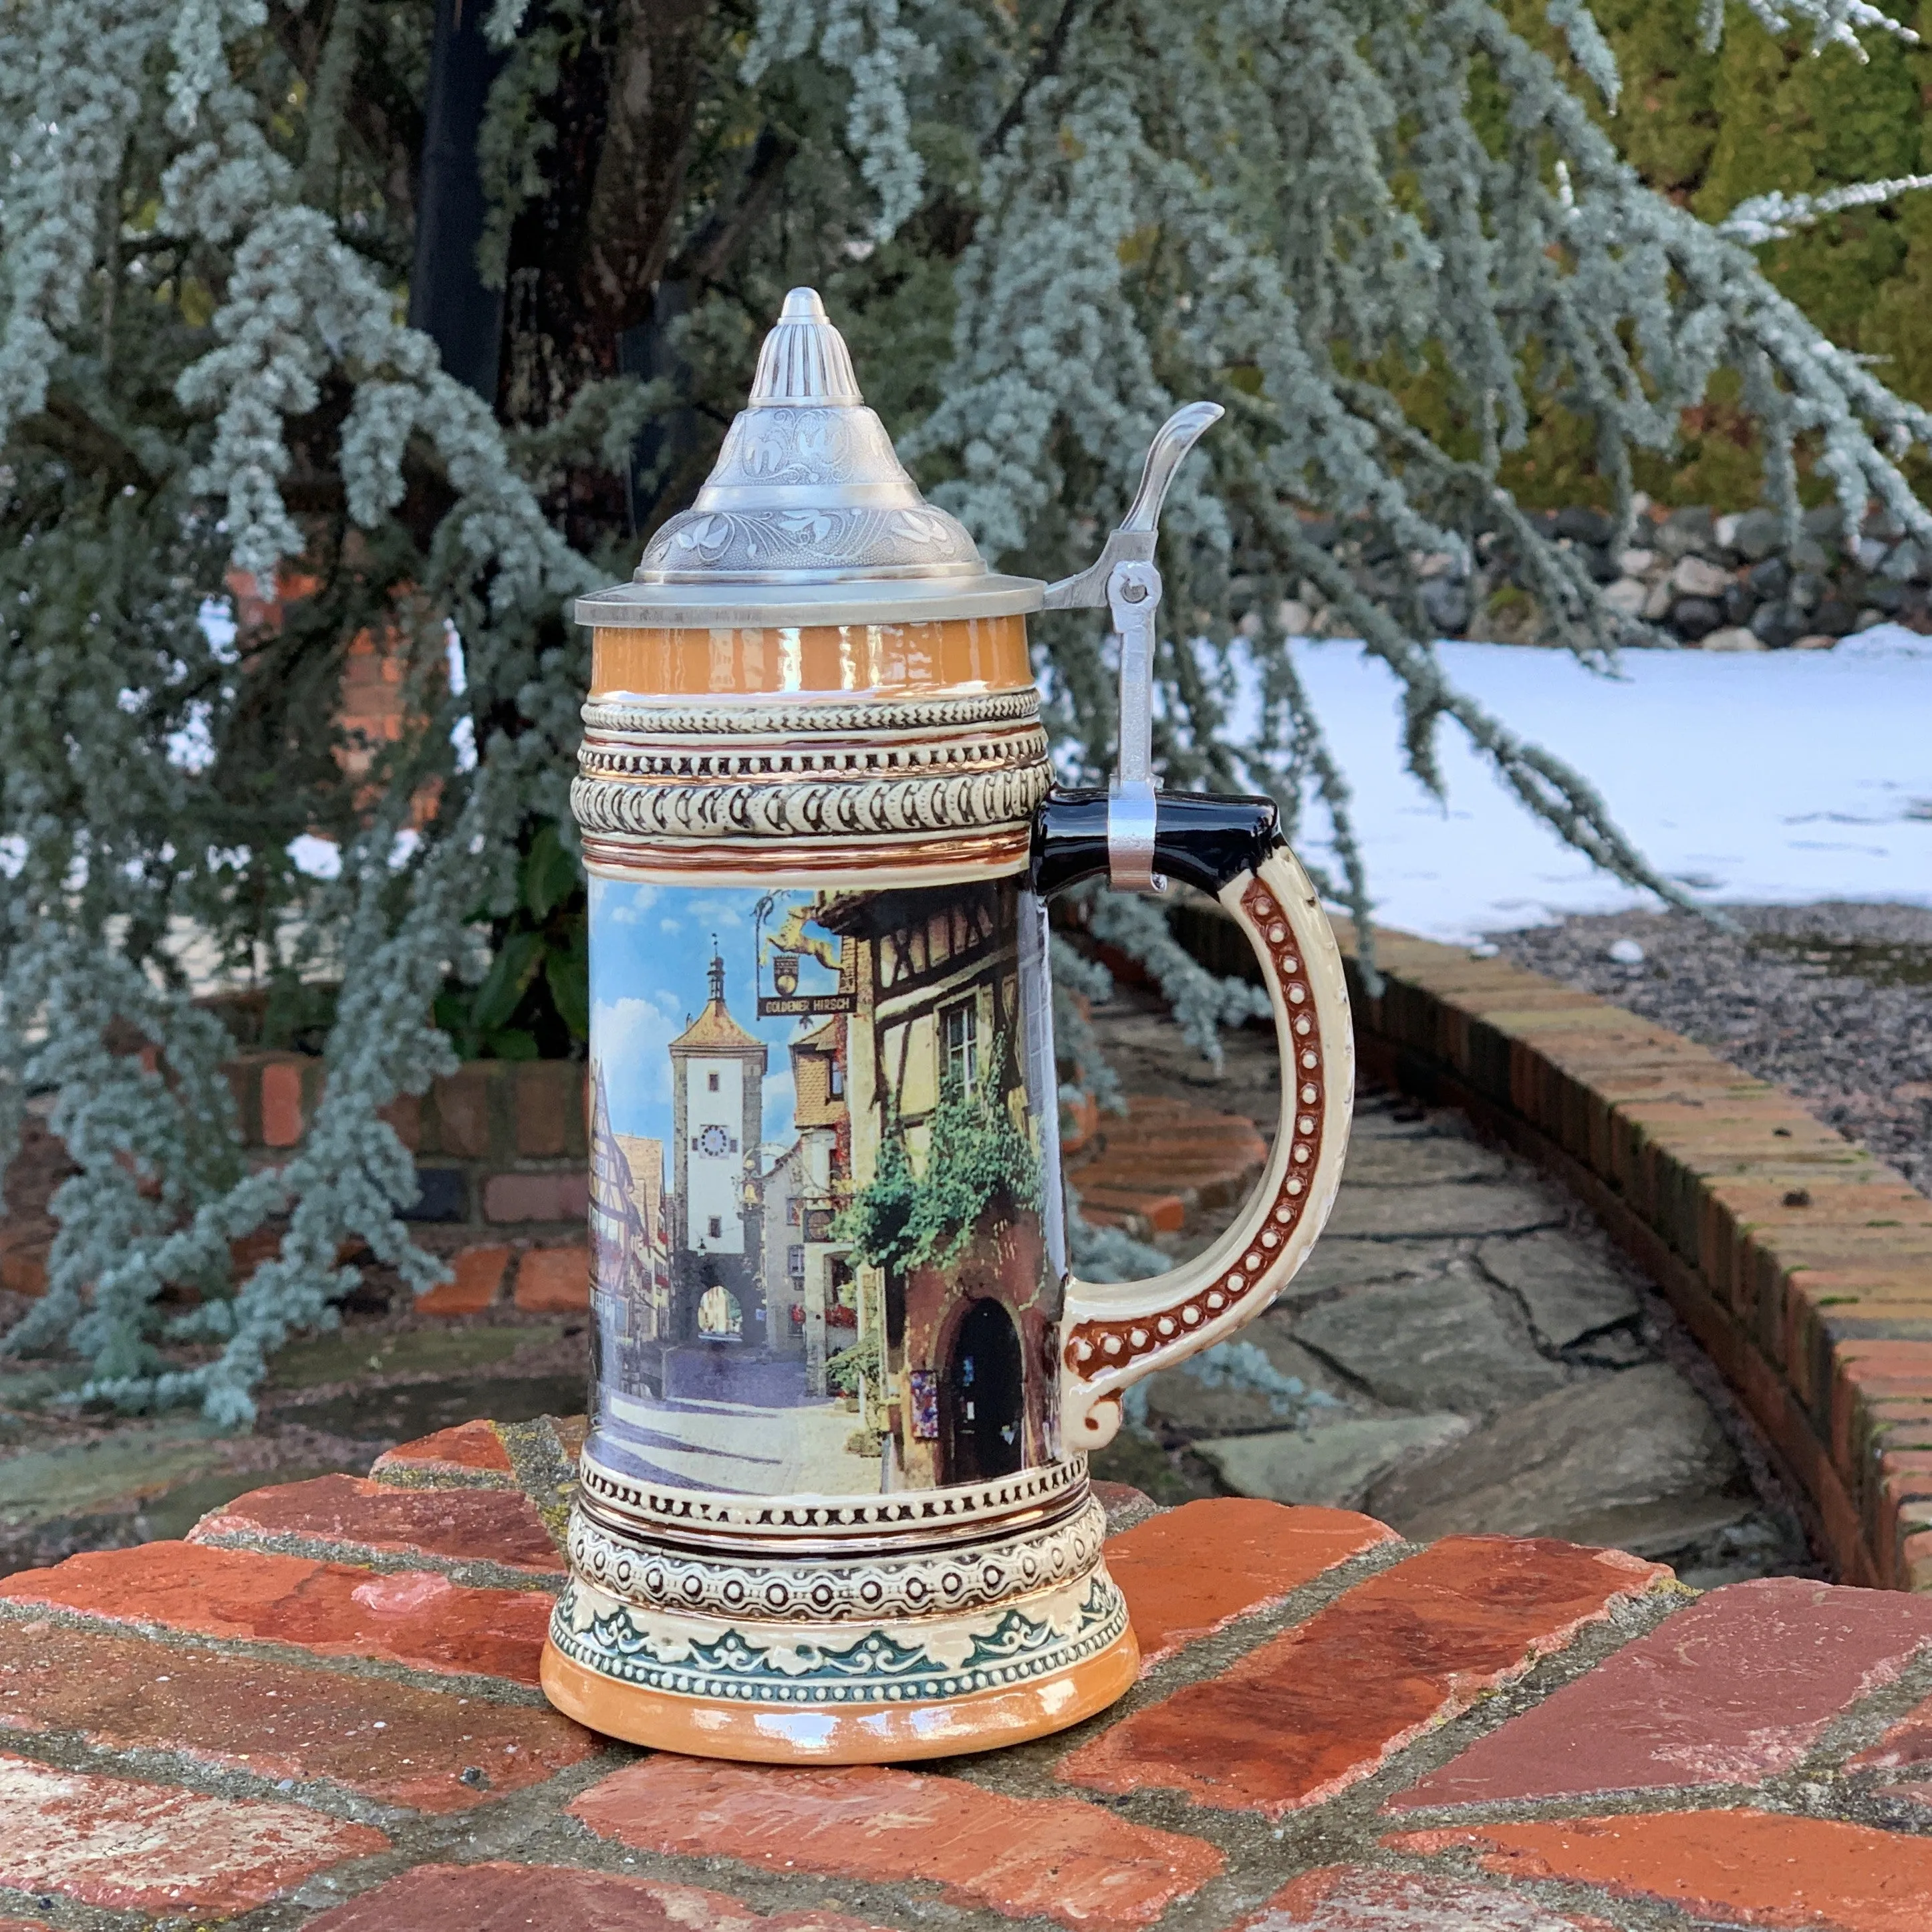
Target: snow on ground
x=1783 y=776
x=1754 y=776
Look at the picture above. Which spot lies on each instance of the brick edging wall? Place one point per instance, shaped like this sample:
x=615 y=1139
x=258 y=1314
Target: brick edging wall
x=1801 y=1262
x=502 y=1154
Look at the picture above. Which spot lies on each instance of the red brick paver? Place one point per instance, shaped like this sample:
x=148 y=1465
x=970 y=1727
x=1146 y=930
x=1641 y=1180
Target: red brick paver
x=1738 y=1867
x=230 y=1699
x=495 y=1525
x=1734 y=1689
x=469 y=1447
x=477 y=1275
x=1351 y=1898
x=1072 y=1862
x=1319 y=1708
x=1167 y=1157
x=107 y=1841
x=502 y=1897
x=393 y=1742
x=553 y=1281
x=416 y=1617
x=1190 y=1572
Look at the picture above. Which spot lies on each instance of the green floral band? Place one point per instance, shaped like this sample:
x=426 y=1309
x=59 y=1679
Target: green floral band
x=876 y=1669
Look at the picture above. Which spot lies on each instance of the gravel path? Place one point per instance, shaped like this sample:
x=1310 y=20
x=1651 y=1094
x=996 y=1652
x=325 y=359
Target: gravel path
x=1833 y=1002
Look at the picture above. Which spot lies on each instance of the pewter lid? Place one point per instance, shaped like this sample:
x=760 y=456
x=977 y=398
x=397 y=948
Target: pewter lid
x=808 y=516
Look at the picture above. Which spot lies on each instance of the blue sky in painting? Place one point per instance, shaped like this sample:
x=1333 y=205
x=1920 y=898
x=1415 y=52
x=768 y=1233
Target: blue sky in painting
x=650 y=950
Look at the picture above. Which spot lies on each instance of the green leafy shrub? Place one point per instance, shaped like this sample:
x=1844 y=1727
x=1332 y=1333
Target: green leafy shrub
x=859 y=1365
x=534 y=1002
x=976 y=1160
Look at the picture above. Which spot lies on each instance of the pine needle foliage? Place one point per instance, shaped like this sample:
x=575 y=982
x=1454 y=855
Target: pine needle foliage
x=1041 y=223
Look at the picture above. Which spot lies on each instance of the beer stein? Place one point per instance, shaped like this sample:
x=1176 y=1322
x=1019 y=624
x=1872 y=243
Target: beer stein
x=833 y=1505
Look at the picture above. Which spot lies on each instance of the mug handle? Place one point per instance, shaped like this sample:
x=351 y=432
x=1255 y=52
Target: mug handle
x=1113 y=1333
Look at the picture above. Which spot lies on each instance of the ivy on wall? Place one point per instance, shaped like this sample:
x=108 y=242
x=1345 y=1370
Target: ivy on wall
x=976 y=1160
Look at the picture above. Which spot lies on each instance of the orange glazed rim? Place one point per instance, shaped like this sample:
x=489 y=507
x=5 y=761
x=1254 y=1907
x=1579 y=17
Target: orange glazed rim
x=949 y=654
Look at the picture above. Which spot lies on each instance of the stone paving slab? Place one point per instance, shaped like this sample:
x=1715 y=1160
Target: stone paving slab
x=1406 y=1210
x=1591 y=1454
x=1567 y=1292
x=1337 y=1463
x=1447 y=1342
x=1337 y=1731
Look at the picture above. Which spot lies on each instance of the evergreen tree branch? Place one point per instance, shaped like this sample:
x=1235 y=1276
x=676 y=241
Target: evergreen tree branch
x=1302 y=209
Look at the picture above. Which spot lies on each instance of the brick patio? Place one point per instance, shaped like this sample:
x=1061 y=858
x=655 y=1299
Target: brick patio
x=321 y=1710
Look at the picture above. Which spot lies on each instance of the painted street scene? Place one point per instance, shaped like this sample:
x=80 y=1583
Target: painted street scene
x=816 y=1191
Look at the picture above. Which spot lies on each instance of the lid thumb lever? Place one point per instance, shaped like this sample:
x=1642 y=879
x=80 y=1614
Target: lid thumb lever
x=1123 y=580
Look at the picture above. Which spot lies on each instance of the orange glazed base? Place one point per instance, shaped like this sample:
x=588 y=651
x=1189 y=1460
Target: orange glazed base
x=854 y=1734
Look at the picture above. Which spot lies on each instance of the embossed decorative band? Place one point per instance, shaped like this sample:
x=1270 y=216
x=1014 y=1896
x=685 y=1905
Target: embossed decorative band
x=1030 y=1638
x=883 y=770
x=982 y=854
x=904 y=1519
x=766 y=718
x=791 y=807
x=802 y=1588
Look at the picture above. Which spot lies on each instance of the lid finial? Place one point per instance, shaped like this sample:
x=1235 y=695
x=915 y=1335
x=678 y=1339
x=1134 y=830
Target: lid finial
x=804 y=362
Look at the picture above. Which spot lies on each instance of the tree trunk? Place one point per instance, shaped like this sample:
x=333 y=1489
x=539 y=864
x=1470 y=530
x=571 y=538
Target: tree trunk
x=448 y=301
x=585 y=258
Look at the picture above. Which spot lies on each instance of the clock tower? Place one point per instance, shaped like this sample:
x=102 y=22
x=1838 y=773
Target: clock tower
x=718 y=1072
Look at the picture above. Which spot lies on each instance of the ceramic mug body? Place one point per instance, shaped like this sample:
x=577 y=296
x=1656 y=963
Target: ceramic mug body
x=833 y=1504
x=826 y=1211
